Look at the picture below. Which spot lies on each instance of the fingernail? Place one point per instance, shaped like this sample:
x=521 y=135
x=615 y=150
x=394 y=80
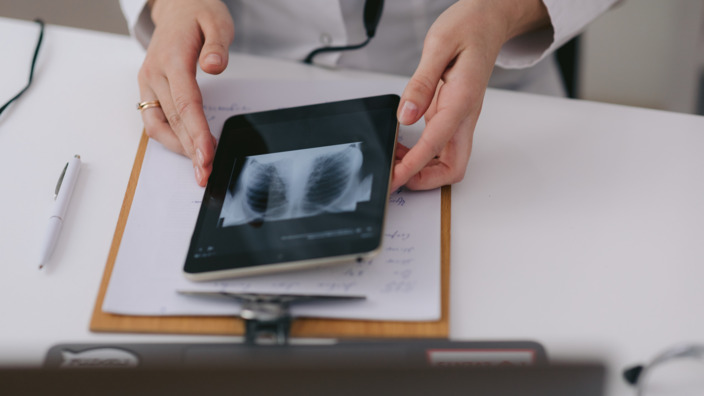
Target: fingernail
x=213 y=60
x=408 y=112
x=199 y=174
x=200 y=157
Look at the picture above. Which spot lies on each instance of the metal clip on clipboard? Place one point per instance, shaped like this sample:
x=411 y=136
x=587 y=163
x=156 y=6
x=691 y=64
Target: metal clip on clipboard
x=267 y=317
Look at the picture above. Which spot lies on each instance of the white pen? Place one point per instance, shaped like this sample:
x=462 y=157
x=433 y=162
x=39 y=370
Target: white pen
x=62 y=197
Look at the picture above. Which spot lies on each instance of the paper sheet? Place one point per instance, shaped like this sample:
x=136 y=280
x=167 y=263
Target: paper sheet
x=401 y=283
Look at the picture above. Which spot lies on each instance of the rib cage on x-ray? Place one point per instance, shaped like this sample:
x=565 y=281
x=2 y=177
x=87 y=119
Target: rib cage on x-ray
x=298 y=184
x=329 y=179
x=266 y=191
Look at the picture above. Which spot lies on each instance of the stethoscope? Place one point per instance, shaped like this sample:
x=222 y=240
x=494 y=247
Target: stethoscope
x=372 y=15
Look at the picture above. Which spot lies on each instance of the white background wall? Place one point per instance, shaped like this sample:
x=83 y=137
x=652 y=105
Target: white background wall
x=645 y=53
x=104 y=15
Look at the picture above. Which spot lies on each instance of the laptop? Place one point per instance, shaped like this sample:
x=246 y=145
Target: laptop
x=399 y=367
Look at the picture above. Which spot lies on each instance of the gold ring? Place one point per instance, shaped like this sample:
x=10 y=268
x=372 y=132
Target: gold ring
x=148 y=104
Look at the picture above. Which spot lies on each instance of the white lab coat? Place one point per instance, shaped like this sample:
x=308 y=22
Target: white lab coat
x=290 y=29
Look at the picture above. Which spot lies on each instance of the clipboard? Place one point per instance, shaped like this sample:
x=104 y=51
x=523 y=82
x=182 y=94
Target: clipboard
x=301 y=327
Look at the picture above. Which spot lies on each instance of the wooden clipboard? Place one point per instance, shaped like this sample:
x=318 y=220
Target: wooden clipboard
x=301 y=327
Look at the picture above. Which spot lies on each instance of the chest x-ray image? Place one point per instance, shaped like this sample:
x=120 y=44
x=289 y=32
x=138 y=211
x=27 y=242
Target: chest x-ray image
x=296 y=184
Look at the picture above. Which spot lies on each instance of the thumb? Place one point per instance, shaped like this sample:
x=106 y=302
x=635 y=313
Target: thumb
x=421 y=88
x=218 y=35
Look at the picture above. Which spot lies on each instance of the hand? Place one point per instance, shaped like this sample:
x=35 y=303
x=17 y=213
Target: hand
x=186 y=32
x=449 y=84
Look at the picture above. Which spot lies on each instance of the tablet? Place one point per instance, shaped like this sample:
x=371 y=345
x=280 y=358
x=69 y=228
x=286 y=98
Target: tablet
x=296 y=188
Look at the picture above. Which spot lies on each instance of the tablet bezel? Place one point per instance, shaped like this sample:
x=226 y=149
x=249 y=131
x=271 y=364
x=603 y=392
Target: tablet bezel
x=216 y=267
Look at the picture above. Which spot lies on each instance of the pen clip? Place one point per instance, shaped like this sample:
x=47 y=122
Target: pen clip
x=61 y=180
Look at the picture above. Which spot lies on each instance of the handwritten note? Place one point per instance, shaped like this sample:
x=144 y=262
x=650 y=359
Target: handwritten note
x=401 y=283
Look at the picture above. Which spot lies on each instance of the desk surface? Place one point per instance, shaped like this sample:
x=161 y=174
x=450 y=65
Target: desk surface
x=578 y=224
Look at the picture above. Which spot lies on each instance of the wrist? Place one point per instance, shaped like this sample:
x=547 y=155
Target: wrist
x=165 y=10
x=523 y=16
x=154 y=10
x=498 y=21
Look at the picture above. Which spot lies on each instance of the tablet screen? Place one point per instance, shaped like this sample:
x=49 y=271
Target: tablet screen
x=296 y=187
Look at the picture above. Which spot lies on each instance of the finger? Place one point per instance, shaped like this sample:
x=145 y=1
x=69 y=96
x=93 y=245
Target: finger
x=433 y=108
x=420 y=90
x=400 y=151
x=436 y=135
x=188 y=104
x=442 y=131
x=218 y=32
x=177 y=123
x=451 y=165
x=456 y=101
x=157 y=127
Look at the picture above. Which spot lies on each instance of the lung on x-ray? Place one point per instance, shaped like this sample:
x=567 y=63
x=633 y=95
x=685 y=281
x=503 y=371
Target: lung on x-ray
x=296 y=184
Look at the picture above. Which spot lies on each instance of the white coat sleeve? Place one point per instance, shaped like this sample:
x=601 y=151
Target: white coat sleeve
x=139 y=20
x=568 y=19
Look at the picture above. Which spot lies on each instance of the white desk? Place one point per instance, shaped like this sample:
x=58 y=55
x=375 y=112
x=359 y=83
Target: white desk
x=578 y=225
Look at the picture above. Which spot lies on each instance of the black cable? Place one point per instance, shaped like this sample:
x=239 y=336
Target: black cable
x=31 y=70
x=309 y=58
x=632 y=375
x=372 y=14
